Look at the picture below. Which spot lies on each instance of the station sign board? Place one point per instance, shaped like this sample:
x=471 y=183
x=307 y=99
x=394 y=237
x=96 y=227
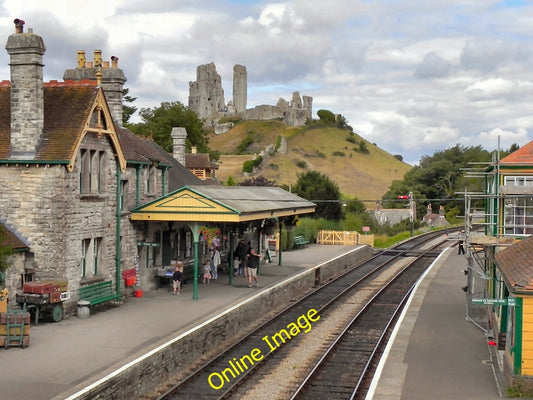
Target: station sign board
x=510 y=301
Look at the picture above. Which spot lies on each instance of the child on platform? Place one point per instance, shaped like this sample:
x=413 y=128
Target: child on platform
x=206 y=269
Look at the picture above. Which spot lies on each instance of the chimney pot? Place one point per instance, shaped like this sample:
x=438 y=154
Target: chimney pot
x=106 y=64
x=19 y=25
x=114 y=61
x=89 y=64
x=81 y=59
x=98 y=58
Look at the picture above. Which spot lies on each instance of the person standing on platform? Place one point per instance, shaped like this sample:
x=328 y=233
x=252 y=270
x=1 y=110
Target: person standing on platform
x=252 y=265
x=176 y=278
x=215 y=262
x=206 y=270
x=461 y=248
x=241 y=251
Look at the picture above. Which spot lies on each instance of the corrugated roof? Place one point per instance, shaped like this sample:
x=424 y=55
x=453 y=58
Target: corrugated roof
x=223 y=204
x=250 y=199
x=516 y=265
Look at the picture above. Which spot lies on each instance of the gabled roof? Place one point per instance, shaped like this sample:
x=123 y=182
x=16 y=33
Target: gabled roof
x=199 y=161
x=67 y=109
x=522 y=156
x=516 y=265
x=210 y=203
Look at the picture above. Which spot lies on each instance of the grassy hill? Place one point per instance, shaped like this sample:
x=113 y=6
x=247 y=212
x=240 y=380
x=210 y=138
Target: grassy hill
x=332 y=151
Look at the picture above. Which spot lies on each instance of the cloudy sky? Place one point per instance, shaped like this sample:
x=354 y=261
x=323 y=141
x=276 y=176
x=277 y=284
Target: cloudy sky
x=412 y=77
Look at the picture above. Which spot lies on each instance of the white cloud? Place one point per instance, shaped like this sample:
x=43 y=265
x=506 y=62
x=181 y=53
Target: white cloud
x=412 y=77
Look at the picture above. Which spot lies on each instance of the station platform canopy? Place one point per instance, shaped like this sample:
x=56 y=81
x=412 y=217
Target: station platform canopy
x=212 y=203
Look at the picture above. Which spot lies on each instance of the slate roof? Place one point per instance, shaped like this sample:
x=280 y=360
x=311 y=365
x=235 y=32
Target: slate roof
x=67 y=106
x=143 y=149
x=10 y=239
x=516 y=265
x=66 y=109
x=522 y=156
x=199 y=161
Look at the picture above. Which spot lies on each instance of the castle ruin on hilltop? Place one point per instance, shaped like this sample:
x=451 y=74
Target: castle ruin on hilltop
x=206 y=98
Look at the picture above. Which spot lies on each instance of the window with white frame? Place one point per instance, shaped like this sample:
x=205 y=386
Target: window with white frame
x=518 y=210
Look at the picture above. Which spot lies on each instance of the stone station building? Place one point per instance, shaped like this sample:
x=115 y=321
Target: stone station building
x=71 y=175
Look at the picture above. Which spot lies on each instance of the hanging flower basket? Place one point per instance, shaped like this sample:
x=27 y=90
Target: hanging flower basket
x=211 y=236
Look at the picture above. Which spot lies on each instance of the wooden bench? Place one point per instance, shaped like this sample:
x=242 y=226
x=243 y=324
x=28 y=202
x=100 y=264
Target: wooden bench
x=98 y=293
x=299 y=241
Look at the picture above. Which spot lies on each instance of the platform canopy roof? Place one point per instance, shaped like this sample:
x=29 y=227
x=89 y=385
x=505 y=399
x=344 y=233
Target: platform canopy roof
x=209 y=203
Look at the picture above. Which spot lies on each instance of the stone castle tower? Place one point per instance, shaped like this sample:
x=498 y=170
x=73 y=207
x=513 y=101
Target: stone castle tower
x=240 y=88
x=206 y=96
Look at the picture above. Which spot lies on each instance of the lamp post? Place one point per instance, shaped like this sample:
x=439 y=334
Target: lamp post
x=195 y=228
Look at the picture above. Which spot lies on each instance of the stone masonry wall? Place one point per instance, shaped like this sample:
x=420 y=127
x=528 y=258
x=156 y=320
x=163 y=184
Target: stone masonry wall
x=31 y=201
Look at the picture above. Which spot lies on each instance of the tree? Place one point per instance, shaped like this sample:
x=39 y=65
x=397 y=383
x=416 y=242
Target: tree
x=159 y=121
x=326 y=116
x=127 y=111
x=318 y=188
x=437 y=178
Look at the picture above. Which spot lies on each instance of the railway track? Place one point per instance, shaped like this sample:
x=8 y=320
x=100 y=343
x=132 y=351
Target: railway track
x=232 y=373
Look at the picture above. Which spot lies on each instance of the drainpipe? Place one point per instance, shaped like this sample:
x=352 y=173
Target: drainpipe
x=164 y=180
x=118 y=250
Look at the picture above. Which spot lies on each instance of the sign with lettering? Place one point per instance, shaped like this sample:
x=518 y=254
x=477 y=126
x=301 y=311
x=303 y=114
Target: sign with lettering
x=510 y=301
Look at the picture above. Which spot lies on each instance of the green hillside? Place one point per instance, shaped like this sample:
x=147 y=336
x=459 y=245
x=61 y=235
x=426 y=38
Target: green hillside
x=332 y=151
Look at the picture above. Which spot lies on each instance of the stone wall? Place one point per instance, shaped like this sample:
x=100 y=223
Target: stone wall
x=43 y=204
x=146 y=372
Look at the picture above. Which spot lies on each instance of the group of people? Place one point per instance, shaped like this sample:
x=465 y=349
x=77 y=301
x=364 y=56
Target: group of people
x=248 y=260
x=247 y=257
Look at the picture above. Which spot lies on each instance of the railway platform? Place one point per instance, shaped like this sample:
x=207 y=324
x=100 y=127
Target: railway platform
x=436 y=352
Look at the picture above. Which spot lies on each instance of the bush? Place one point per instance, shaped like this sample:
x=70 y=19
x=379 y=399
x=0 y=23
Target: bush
x=301 y=164
x=246 y=142
x=278 y=142
x=249 y=165
x=351 y=139
x=326 y=116
x=338 y=154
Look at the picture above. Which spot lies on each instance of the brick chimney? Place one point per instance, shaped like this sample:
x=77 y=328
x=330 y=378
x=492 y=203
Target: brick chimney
x=26 y=52
x=178 y=144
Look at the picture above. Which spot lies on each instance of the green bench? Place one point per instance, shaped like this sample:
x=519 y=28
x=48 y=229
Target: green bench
x=299 y=241
x=98 y=293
